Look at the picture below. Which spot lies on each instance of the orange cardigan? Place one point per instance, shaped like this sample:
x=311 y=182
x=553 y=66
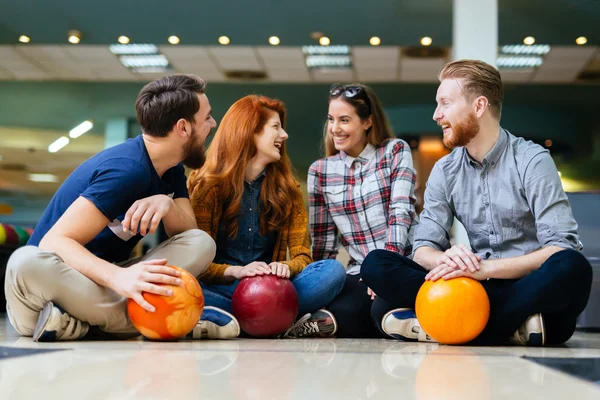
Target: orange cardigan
x=208 y=208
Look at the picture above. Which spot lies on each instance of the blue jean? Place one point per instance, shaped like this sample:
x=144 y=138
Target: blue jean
x=317 y=285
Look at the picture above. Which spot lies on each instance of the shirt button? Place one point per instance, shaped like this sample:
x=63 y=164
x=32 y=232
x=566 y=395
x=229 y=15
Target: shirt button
x=250 y=209
x=249 y=247
x=250 y=229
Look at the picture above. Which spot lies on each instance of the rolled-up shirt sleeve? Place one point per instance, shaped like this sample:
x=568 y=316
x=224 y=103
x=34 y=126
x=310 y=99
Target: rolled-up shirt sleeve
x=437 y=216
x=549 y=204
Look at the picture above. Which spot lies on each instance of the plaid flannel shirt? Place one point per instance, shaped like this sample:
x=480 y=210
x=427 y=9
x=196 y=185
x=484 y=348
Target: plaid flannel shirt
x=369 y=201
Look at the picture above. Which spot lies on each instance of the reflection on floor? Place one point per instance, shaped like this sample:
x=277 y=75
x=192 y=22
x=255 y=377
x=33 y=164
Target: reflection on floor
x=295 y=369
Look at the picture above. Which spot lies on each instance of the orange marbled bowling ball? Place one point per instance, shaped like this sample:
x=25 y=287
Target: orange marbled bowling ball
x=175 y=315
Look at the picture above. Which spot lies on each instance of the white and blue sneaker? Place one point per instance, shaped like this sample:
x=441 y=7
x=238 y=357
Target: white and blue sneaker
x=55 y=324
x=215 y=323
x=402 y=324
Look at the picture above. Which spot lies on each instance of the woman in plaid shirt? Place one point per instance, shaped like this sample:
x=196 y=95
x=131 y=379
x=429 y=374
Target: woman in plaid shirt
x=247 y=199
x=362 y=192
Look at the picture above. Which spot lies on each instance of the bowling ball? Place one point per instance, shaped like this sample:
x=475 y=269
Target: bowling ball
x=453 y=311
x=12 y=238
x=265 y=305
x=175 y=316
x=22 y=235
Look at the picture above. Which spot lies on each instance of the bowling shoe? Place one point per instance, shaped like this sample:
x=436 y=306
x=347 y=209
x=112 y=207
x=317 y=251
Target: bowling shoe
x=402 y=324
x=531 y=333
x=215 y=324
x=321 y=323
x=55 y=324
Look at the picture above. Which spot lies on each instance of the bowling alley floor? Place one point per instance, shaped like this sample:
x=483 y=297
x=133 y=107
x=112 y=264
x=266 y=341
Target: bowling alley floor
x=294 y=369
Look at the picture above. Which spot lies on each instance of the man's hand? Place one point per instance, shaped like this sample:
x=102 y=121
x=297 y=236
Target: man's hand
x=147 y=213
x=253 y=269
x=446 y=272
x=144 y=277
x=279 y=269
x=459 y=257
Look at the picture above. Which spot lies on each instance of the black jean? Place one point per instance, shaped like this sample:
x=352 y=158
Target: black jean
x=559 y=290
x=353 y=310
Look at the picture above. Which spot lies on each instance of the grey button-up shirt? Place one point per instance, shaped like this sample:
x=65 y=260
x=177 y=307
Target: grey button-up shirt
x=511 y=204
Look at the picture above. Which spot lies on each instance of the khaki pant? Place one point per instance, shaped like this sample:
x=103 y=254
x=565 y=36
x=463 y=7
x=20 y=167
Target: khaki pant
x=34 y=277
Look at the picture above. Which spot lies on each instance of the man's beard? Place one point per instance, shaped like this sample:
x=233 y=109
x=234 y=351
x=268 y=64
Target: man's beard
x=462 y=132
x=194 y=153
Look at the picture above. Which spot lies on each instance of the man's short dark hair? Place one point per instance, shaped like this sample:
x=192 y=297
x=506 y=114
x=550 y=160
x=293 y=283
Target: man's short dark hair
x=165 y=101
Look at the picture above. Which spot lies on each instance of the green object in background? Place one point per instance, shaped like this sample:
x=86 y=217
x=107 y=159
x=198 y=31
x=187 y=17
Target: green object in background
x=2 y=235
x=11 y=235
x=22 y=234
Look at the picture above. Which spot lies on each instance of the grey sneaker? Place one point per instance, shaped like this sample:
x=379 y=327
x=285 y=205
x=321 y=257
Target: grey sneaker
x=321 y=324
x=55 y=324
x=531 y=333
x=402 y=324
x=215 y=324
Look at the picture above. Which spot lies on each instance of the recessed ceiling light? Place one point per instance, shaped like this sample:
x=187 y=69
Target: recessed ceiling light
x=375 y=41
x=24 y=39
x=58 y=144
x=581 y=40
x=426 y=41
x=324 y=41
x=529 y=40
x=123 y=39
x=74 y=36
x=173 y=39
x=274 y=40
x=224 y=40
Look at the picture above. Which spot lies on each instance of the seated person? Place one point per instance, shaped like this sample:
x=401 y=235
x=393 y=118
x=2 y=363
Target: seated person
x=75 y=276
x=363 y=192
x=247 y=199
x=507 y=193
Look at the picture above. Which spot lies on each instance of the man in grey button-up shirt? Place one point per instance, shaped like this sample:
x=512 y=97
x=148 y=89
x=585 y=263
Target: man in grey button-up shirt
x=507 y=193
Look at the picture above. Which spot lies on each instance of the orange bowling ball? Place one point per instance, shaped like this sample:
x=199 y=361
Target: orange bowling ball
x=175 y=315
x=454 y=311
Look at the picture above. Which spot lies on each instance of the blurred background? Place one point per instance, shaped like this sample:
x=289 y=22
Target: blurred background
x=70 y=72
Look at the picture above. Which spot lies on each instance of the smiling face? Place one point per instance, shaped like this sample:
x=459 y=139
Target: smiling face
x=455 y=114
x=348 y=131
x=269 y=142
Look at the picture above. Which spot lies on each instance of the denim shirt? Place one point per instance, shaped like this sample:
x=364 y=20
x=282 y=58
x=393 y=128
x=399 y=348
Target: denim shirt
x=249 y=245
x=511 y=204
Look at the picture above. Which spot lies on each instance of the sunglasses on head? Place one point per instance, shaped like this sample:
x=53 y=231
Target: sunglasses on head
x=349 y=91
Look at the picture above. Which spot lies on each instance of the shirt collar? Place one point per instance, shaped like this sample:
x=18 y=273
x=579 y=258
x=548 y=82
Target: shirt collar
x=363 y=157
x=494 y=154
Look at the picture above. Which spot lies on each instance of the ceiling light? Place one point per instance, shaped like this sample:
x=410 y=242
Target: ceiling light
x=123 y=40
x=74 y=36
x=58 y=144
x=136 y=61
x=581 y=40
x=375 y=41
x=133 y=49
x=224 y=40
x=519 y=61
x=327 y=61
x=46 y=178
x=274 y=40
x=329 y=50
x=520 y=49
x=529 y=40
x=173 y=39
x=324 y=41
x=426 y=41
x=80 y=129
x=24 y=39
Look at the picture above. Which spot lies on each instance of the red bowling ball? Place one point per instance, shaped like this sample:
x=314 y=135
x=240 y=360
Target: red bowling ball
x=265 y=305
